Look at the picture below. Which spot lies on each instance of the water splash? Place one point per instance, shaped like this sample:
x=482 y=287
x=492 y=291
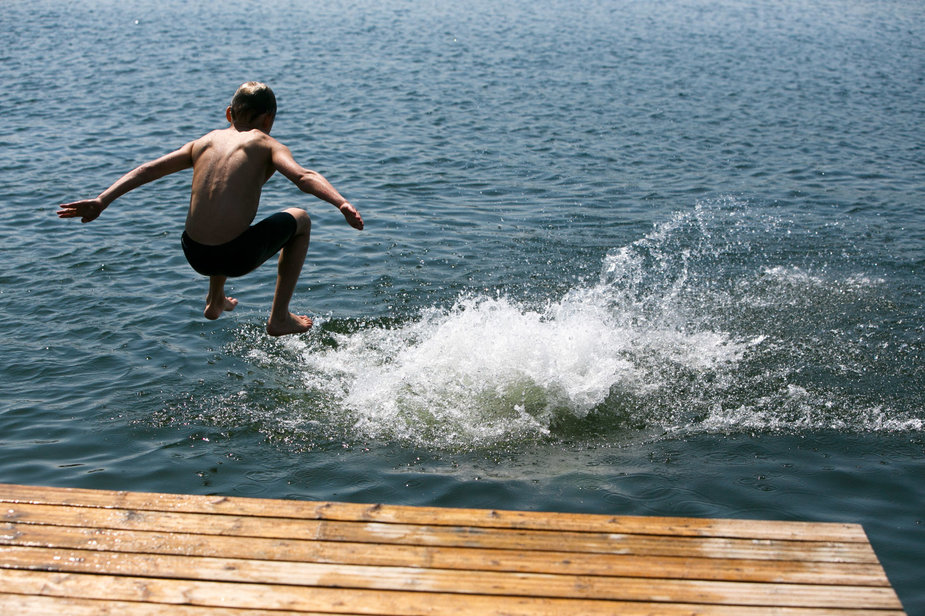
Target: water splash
x=490 y=369
x=722 y=319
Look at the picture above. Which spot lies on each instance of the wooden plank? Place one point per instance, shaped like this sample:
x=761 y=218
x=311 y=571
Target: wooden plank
x=337 y=601
x=444 y=536
x=569 y=563
x=306 y=510
x=448 y=581
x=37 y=605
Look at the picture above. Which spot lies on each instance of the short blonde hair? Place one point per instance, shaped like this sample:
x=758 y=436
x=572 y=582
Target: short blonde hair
x=252 y=100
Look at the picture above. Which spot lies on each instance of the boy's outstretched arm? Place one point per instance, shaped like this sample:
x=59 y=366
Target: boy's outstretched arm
x=89 y=209
x=314 y=183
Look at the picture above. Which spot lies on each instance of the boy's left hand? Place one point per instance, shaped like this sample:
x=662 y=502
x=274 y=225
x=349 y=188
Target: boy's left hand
x=85 y=209
x=352 y=215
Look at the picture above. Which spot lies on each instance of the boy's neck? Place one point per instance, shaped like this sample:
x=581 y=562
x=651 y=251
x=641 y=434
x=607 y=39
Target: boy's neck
x=241 y=127
x=263 y=123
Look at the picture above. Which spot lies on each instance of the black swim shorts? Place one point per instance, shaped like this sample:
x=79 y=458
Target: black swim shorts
x=244 y=253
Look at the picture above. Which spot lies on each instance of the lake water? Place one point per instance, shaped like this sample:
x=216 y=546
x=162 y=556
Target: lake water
x=659 y=258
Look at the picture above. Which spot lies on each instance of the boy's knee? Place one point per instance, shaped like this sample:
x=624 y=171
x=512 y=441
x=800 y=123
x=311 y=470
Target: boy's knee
x=302 y=220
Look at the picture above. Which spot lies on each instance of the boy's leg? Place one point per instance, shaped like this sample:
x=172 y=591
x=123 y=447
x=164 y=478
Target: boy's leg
x=216 y=302
x=291 y=259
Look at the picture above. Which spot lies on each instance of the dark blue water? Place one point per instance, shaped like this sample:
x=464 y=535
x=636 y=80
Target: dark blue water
x=659 y=258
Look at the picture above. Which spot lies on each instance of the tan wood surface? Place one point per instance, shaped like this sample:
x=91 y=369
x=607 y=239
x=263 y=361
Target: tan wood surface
x=68 y=551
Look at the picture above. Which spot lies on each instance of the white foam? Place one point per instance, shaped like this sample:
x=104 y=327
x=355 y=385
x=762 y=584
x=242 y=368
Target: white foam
x=490 y=369
x=647 y=340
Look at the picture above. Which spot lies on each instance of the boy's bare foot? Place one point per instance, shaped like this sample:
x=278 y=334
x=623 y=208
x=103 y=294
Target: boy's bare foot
x=214 y=311
x=293 y=324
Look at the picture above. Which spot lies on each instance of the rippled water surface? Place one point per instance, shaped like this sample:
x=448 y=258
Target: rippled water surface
x=659 y=258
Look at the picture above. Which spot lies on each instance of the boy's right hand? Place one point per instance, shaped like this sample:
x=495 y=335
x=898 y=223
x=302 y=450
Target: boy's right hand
x=351 y=214
x=85 y=209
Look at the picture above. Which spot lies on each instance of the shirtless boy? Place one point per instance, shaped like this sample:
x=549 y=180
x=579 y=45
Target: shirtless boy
x=230 y=166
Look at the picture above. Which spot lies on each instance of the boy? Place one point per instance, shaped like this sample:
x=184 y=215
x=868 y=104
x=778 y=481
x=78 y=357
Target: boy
x=230 y=166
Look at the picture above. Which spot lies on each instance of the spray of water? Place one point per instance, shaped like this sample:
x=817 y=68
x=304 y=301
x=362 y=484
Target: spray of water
x=709 y=323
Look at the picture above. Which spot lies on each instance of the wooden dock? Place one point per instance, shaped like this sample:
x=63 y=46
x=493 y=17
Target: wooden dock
x=67 y=552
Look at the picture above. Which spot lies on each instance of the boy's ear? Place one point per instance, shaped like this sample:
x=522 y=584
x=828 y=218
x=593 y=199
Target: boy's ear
x=228 y=115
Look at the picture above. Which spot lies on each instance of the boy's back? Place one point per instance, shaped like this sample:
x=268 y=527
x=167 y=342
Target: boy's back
x=230 y=167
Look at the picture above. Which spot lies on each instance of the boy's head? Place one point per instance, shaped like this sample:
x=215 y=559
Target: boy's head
x=252 y=100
